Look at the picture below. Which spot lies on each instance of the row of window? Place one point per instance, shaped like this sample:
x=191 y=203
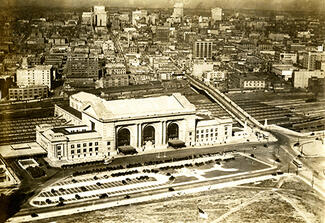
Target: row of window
x=207 y=139
x=84 y=150
x=207 y=135
x=206 y=130
x=83 y=145
x=90 y=154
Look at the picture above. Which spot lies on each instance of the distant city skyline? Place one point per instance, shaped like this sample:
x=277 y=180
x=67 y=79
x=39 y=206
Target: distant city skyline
x=303 y=5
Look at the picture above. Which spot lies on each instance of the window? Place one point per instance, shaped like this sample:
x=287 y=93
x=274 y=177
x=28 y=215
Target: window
x=96 y=149
x=90 y=149
x=96 y=143
x=90 y=144
x=78 y=145
x=85 y=150
x=207 y=130
x=190 y=133
x=78 y=150
x=108 y=143
x=85 y=144
x=72 y=151
x=72 y=156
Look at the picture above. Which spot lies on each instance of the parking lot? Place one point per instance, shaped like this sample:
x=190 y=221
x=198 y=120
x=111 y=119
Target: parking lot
x=106 y=184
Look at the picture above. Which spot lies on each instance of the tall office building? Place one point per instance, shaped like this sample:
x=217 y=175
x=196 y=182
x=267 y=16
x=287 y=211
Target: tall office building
x=216 y=14
x=38 y=75
x=99 y=16
x=202 y=49
x=313 y=60
x=178 y=10
x=82 y=66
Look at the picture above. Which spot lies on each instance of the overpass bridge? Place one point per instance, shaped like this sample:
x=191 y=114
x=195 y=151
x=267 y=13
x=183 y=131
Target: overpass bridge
x=228 y=105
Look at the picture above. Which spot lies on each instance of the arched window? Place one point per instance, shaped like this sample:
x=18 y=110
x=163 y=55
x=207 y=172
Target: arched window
x=148 y=135
x=123 y=137
x=172 y=131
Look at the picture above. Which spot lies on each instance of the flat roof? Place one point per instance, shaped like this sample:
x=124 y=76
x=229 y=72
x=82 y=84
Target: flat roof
x=64 y=131
x=32 y=149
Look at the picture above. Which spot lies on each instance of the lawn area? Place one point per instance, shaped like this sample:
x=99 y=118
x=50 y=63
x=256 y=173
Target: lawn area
x=224 y=205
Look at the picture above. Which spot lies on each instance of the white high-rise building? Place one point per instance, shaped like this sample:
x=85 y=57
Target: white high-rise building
x=99 y=16
x=216 y=14
x=35 y=76
x=178 y=10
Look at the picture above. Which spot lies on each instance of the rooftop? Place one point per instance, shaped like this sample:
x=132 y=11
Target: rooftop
x=129 y=108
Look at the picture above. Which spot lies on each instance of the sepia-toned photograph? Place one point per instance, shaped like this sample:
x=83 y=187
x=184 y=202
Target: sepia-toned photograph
x=162 y=111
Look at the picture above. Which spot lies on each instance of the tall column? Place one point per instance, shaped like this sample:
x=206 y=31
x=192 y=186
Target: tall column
x=165 y=132
x=162 y=133
x=140 y=135
x=137 y=134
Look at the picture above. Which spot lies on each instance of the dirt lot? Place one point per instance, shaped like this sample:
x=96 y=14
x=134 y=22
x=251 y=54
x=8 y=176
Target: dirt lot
x=290 y=201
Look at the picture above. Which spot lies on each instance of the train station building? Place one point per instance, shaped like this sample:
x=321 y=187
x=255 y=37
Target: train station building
x=104 y=128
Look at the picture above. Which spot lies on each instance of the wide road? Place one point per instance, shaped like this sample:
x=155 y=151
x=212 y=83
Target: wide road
x=309 y=173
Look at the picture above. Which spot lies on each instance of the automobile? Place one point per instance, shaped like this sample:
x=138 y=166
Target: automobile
x=83 y=188
x=34 y=215
x=60 y=204
x=77 y=196
x=102 y=196
x=127 y=196
x=296 y=144
x=61 y=189
x=98 y=184
x=171 y=189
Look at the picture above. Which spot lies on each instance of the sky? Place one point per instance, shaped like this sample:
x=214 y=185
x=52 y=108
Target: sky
x=304 y=5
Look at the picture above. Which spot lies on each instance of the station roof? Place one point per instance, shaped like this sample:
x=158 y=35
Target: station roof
x=142 y=107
